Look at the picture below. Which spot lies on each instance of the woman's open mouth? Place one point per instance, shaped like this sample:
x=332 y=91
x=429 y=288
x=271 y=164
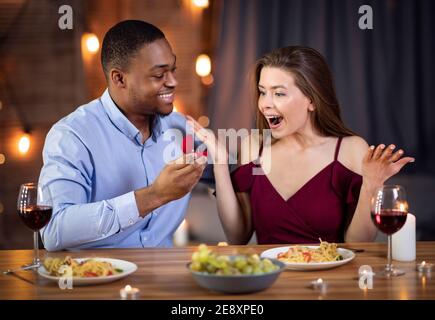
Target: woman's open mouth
x=274 y=121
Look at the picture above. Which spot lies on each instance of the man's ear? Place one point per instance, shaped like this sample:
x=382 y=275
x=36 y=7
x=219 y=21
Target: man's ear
x=117 y=78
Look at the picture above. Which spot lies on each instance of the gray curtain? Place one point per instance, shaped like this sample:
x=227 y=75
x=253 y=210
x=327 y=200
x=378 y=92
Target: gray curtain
x=384 y=77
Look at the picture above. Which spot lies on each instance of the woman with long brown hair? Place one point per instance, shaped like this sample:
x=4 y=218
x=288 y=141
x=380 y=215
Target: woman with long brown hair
x=320 y=175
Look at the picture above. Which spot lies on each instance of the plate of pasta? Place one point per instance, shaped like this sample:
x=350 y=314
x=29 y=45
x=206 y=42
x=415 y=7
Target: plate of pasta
x=86 y=271
x=298 y=257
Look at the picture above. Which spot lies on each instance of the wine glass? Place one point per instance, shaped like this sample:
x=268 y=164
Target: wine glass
x=389 y=210
x=35 y=208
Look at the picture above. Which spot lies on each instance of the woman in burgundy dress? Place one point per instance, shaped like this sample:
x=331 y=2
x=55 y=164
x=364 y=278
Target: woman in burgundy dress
x=316 y=177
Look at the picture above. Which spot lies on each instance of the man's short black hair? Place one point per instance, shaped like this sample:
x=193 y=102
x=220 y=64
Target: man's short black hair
x=123 y=40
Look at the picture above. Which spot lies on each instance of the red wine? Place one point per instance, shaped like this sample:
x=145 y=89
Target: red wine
x=36 y=217
x=389 y=221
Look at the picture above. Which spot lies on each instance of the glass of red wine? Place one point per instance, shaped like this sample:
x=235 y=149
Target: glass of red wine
x=389 y=210
x=35 y=207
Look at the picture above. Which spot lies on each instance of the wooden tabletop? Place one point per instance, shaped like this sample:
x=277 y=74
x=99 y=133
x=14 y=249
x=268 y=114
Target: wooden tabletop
x=162 y=274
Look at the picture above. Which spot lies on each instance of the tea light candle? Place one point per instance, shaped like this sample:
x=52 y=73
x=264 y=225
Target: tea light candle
x=319 y=284
x=425 y=267
x=129 y=293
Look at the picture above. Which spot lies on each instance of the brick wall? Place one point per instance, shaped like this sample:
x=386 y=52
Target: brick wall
x=182 y=28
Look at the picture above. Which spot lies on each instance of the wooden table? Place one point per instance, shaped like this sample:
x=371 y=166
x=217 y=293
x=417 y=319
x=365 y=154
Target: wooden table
x=162 y=274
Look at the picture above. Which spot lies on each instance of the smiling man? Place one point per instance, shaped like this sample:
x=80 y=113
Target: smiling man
x=104 y=162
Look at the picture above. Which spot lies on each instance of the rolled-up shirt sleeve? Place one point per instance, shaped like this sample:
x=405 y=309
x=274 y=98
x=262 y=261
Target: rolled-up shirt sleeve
x=68 y=173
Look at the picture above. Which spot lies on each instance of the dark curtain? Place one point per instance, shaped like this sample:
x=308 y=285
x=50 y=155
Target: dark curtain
x=384 y=77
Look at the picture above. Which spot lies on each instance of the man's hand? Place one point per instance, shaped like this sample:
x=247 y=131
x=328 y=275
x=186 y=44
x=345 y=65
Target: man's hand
x=179 y=177
x=175 y=180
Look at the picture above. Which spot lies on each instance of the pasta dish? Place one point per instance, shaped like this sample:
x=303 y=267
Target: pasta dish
x=326 y=252
x=85 y=268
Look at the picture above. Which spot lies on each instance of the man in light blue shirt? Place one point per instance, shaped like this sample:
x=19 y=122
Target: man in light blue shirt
x=104 y=163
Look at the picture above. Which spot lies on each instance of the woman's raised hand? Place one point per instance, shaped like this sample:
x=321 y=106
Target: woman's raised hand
x=381 y=163
x=215 y=149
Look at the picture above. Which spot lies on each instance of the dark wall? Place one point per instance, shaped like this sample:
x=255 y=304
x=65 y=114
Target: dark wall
x=384 y=76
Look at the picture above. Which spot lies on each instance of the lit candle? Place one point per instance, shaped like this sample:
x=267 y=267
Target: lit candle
x=319 y=284
x=424 y=267
x=129 y=293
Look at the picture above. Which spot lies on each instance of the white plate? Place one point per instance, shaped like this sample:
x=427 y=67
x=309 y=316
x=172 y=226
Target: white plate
x=273 y=253
x=126 y=266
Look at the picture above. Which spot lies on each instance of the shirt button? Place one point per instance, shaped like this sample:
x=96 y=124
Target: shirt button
x=130 y=221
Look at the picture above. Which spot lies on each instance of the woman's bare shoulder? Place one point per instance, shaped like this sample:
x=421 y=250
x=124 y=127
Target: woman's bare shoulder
x=352 y=152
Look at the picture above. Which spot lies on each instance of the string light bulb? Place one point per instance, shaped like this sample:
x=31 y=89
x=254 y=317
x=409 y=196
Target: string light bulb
x=91 y=42
x=24 y=144
x=201 y=3
x=203 y=65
